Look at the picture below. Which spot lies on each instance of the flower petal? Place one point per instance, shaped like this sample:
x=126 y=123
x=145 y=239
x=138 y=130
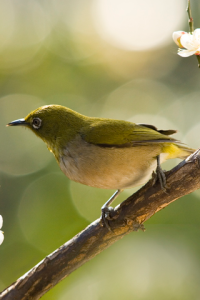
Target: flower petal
x=186 y=53
x=1 y=221
x=176 y=37
x=1 y=237
x=187 y=40
x=196 y=33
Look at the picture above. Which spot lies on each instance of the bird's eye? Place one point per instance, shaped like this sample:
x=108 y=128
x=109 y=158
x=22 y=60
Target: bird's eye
x=37 y=122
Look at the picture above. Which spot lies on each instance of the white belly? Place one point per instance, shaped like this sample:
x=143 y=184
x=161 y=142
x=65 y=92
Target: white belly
x=109 y=168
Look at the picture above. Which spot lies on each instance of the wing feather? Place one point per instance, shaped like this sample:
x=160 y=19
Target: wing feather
x=115 y=133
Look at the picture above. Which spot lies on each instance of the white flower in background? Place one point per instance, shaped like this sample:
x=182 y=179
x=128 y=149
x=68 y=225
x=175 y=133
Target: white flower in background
x=191 y=42
x=1 y=232
x=177 y=36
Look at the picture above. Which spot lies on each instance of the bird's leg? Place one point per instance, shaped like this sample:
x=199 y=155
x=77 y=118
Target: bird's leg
x=160 y=175
x=105 y=210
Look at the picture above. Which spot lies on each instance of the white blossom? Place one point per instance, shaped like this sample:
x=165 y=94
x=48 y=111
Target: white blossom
x=189 y=41
x=177 y=36
x=1 y=232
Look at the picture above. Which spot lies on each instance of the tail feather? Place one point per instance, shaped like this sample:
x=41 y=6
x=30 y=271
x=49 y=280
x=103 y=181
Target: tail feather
x=184 y=151
x=177 y=150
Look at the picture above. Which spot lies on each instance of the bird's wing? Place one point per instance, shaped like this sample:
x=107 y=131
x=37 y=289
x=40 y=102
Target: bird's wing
x=114 y=133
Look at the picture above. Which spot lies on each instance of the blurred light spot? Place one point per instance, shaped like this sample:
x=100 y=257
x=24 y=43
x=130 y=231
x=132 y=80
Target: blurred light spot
x=6 y=21
x=46 y=214
x=89 y=200
x=31 y=23
x=136 y=96
x=21 y=152
x=190 y=109
x=138 y=25
x=72 y=29
x=145 y=264
x=28 y=27
x=170 y=112
x=21 y=59
x=72 y=101
x=192 y=136
x=69 y=11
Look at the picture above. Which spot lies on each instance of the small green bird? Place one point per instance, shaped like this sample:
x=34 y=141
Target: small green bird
x=103 y=153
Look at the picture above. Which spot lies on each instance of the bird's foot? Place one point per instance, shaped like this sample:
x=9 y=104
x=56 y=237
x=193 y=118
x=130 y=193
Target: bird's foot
x=106 y=215
x=160 y=176
x=106 y=210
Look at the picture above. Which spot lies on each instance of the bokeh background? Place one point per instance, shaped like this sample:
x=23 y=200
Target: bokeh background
x=105 y=58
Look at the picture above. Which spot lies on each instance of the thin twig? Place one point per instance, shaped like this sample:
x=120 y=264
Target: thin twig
x=190 y=19
x=191 y=25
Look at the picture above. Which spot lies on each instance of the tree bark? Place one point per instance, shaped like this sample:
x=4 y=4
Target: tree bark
x=127 y=217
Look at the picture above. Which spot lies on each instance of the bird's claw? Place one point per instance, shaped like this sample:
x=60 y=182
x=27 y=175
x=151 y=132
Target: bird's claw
x=106 y=216
x=160 y=176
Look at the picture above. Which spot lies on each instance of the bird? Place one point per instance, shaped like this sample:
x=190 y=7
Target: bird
x=101 y=152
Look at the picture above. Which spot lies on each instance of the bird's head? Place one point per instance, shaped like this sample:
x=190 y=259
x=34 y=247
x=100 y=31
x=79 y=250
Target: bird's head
x=54 y=124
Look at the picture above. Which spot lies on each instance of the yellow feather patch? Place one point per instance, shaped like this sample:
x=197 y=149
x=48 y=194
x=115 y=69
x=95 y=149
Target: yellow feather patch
x=176 y=151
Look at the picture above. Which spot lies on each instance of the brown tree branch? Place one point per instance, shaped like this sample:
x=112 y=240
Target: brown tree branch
x=127 y=217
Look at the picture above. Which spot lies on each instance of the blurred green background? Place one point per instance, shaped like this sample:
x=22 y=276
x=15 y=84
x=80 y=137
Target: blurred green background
x=105 y=58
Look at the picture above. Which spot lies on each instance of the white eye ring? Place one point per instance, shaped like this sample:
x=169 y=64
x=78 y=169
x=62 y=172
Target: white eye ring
x=36 y=123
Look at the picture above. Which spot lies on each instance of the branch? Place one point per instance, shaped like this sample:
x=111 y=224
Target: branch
x=127 y=217
x=190 y=19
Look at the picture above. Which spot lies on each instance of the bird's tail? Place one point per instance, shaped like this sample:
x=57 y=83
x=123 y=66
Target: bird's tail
x=184 y=151
x=177 y=150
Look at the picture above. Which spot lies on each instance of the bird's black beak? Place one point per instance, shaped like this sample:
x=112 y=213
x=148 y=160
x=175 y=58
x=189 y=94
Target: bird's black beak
x=17 y=122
